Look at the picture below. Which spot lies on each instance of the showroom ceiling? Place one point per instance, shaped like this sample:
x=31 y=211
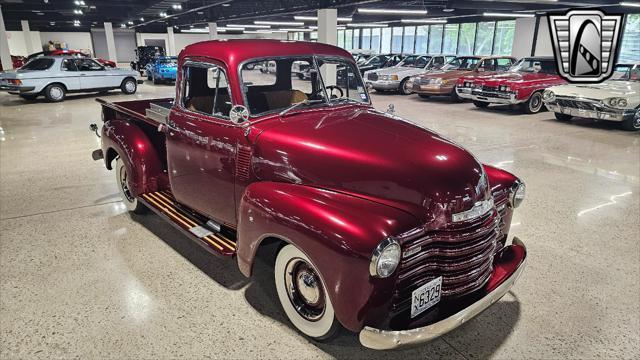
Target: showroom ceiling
x=155 y=16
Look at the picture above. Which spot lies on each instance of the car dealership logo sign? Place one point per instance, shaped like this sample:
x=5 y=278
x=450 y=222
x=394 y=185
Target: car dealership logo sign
x=585 y=44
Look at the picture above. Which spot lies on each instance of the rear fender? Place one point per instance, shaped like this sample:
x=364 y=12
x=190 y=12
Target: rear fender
x=338 y=232
x=131 y=144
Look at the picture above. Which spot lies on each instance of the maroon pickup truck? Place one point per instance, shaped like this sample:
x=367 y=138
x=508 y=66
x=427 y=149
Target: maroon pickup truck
x=384 y=228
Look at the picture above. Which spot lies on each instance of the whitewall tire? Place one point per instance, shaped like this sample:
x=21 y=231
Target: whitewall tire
x=298 y=282
x=130 y=201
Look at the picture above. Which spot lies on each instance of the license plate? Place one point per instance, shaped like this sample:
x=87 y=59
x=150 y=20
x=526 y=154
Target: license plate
x=425 y=296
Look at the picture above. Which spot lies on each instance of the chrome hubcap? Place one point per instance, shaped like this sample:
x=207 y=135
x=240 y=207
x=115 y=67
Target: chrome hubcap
x=55 y=92
x=536 y=103
x=304 y=289
x=130 y=86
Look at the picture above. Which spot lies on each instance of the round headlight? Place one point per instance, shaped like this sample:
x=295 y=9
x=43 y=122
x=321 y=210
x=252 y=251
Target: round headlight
x=548 y=95
x=612 y=101
x=622 y=102
x=517 y=193
x=385 y=259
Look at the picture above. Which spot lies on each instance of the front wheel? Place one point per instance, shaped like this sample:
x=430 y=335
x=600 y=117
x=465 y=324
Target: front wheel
x=303 y=294
x=404 y=88
x=632 y=123
x=129 y=86
x=480 y=104
x=562 y=117
x=534 y=104
x=131 y=202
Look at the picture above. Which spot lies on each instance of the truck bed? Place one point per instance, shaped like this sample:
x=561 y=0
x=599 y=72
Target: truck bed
x=153 y=112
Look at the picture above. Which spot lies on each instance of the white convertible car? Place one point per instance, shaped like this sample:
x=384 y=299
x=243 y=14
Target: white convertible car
x=55 y=76
x=617 y=99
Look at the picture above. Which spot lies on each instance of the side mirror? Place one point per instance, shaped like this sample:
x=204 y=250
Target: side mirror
x=239 y=114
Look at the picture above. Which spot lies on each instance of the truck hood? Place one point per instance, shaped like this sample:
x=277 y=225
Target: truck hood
x=607 y=89
x=373 y=155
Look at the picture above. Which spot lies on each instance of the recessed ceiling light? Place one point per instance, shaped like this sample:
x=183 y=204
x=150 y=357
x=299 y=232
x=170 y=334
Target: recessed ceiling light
x=141 y=19
x=448 y=10
x=423 y=21
x=249 y=26
x=284 y=23
x=368 y=25
x=226 y=4
x=176 y=7
x=295 y=30
x=315 y=18
x=625 y=3
x=492 y=14
x=40 y=13
x=392 y=11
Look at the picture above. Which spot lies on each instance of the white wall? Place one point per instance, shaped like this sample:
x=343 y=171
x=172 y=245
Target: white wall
x=18 y=46
x=523 y=37
x=543 y=42
x=74 y=40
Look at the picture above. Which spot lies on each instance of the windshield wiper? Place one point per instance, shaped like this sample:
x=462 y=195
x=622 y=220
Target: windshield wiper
x=306 y=102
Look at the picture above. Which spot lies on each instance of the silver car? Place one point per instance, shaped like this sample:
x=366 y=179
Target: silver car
x=55 y=76
x=395 y=78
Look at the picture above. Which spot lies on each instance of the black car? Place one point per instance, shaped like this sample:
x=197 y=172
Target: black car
x=145 y=55
x=380 y=61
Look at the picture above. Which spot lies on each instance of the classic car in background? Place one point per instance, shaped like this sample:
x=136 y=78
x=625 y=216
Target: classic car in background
x=162 y=69
x=145 y=55
x=107 y=63
x=401 y=260
x=522 y=85
x=443 y=82
x=379 y=62
x=396 y=77
x=362 y=55
x=16 y=62
x=617 y=99
x=55 y=76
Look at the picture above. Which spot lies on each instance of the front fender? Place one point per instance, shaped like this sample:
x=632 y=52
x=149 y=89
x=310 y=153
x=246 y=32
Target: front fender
x=337 y=232
x=140 y=157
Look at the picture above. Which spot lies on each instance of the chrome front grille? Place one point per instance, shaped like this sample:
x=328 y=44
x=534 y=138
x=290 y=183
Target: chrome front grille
x=463 y=256
x=578 y=104
x=489 y=88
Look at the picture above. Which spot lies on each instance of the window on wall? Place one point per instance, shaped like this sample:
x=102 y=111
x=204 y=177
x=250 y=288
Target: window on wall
x=422 y=32
x=450 y=43
x=348 y=39
x=504 y=37
x=356 y=38
x=409 y=39
x=366 y=38
x=314 y=36
x=467 y=38
x=484 y=38
x=396 y=40
x=385 y=41
x=630 y=47
x=375 y=39
x=341 y=38
x=435 y=39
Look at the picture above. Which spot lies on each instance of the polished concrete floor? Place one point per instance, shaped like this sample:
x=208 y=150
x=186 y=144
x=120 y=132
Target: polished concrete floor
x=79 y=277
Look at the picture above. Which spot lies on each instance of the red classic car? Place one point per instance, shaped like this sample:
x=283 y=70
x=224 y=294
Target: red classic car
x=107 y=63
x=16 y=62
x=383 y=227
x=522 y=85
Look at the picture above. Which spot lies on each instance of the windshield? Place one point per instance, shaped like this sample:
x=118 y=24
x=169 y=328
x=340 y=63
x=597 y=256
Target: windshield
x=275 y=85
x=544 y=66
x=461 y=63
x=38 y=64
x=625 y=73
x=377 y=60
x=415 y=61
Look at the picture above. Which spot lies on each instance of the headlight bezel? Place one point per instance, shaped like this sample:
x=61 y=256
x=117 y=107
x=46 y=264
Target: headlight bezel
x=616 y=102
x=388 y=244
x=517 y=193
x=548 y=95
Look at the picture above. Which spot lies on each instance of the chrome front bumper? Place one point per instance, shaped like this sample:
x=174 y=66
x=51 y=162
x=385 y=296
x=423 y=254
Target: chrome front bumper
x=493 y=97
x=385 y=340
x=384 y=84
x=611 y=115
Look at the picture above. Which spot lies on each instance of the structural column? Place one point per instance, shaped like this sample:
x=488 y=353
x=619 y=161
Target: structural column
x=213 y=31
x=28 y=40
x=171 y=42
x=5 y=55
x=111 y=43
x=328 y=34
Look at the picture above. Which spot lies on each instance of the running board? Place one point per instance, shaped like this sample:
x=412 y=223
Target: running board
x=190 y=223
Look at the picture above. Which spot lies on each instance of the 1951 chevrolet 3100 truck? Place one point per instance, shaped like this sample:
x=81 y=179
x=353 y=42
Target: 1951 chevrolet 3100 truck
x=386 y=228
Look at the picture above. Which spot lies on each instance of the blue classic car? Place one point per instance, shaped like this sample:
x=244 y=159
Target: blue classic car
x=162 y=68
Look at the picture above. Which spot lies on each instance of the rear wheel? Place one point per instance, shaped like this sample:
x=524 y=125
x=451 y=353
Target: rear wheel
x=122 y=177
x=303 y=294
x=562 y=117
x=534 y=104
x=129 y=86
x=480 y=104
x=55 y=92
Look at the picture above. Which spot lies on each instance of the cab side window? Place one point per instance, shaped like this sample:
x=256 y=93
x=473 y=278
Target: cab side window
x=504 y=64
x=206 y=90
x=437 y=62
x=88 y=65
